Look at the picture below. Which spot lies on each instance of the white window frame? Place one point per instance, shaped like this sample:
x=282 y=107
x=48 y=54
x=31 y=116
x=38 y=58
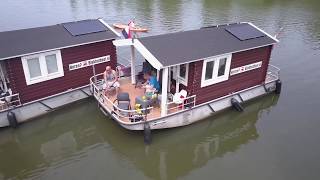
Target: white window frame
x=176 y=73
x=45 y=76
x=215 y=79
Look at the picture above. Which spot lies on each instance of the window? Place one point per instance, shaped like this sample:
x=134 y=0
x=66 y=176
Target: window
x=222 y=67
x=183 y=74
x=42 y=67
x=215 y=70
x=51 y=61
x=34 y=67
x=209 y=70
x=180 y=72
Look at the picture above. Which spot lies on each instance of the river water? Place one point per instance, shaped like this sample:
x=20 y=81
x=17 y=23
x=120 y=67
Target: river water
x=277 y=137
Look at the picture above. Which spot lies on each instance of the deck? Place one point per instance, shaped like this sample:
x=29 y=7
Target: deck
x=108 y=99
x=126 y=86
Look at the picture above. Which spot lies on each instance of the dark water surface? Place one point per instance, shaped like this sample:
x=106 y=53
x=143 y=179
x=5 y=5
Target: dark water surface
x=275 y=138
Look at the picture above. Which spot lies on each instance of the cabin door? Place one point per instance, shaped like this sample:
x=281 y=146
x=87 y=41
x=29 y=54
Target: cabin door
x=180 y=76
x=3 y=82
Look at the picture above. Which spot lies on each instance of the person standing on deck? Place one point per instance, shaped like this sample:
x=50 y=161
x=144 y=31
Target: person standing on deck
x=110 y=79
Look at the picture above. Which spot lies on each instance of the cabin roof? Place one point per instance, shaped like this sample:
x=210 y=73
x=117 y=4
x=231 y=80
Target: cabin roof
x=188 y=46
x=35 y=40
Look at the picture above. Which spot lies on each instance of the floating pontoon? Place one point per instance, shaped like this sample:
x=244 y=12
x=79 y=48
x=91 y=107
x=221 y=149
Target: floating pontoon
x=218 y=67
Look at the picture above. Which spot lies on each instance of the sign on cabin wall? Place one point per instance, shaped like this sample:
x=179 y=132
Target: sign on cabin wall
x=90 y=62
x=245 y=68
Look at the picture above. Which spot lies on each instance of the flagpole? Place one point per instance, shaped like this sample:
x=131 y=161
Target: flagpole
x=133 y=59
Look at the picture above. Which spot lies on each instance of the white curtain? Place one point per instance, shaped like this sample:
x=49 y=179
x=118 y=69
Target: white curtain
x=34 y=67
x=51 y=61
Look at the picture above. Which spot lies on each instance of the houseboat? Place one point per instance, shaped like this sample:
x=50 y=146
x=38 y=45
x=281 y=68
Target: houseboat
x=44 y=68
x=201 y=72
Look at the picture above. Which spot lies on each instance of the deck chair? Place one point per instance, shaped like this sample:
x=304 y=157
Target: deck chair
x=123 y=102
x=179 y=98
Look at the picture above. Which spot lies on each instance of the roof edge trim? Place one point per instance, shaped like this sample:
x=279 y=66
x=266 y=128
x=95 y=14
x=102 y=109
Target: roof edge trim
x=109 y=27
x=46 y=50
x=272 y=37
x=122 y=42
x=200 y=59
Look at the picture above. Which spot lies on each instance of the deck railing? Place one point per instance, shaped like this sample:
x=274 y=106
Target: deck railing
x=273 y=72
x=186 y=103
x=132 y=114
x=10 y=101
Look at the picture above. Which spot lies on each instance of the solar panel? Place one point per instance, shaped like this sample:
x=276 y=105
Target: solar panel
x=84 y=27
x=244 y=31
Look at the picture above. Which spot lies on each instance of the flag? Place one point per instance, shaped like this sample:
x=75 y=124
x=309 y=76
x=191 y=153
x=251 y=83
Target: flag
x=131 y=25
x=127 y=32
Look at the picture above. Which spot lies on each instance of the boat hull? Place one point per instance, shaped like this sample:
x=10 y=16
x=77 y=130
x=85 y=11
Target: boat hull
x=197 y=113
x=31 y=110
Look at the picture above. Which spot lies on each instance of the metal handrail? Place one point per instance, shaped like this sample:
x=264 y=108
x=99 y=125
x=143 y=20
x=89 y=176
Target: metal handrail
x=118 y=111
x=9 y=101
x=193 y=103
x=273 y=71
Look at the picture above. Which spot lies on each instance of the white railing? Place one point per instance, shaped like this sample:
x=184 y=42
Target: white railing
x=274 y=72
x=10 y=101
x=187 y=102
x=109 y=105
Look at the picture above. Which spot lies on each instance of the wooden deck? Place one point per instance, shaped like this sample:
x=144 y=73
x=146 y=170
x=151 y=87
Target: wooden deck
x=126 y=86
x=155 y=112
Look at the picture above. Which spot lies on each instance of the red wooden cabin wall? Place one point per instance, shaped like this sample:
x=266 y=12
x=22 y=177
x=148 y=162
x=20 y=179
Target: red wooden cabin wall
x=71 y=79
x=236 y=82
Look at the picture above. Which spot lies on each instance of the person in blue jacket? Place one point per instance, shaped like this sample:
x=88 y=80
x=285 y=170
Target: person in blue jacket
x=152 y=81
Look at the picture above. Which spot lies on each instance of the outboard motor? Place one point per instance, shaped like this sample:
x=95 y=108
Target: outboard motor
x=147 y=133
x=236 y=105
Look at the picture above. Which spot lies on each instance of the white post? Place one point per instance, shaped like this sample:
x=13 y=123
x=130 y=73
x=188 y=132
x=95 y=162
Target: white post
x=169 y=81
x=94 y=74
x=177 y=78
x=164 y=92
x=133 y=69
x=158 y=75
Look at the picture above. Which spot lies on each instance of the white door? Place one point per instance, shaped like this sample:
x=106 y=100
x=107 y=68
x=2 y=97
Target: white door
x=180 y=75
